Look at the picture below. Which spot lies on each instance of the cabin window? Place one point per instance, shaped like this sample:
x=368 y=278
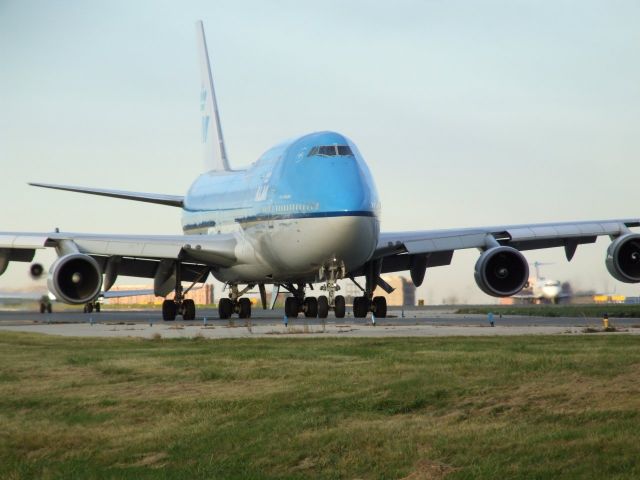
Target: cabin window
x=331 y=151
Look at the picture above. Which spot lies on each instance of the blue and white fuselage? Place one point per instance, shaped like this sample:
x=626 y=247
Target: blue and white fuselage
x=303 y=204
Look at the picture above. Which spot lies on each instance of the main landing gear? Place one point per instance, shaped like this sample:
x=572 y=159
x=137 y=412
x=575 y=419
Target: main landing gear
x=172 y=308
x=179 y=305
x=235 y=304
x=367 y=302
x=90 y=307
x=312 y=307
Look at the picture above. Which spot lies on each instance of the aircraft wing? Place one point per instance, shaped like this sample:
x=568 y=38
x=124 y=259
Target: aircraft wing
x=9 y=297
x=399 y=248
x=126 y=293
x=134 y=255
x=158 y=198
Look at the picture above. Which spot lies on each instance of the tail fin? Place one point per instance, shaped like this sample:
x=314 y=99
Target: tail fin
x=215 y=156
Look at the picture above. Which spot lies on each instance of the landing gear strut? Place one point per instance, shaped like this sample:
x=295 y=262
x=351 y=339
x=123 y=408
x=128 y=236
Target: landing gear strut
x=235 y=304
x=367 y=302
x=179 y=305
x=332 y=273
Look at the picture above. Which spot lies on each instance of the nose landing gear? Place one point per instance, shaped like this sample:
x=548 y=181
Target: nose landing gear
x=331 y=273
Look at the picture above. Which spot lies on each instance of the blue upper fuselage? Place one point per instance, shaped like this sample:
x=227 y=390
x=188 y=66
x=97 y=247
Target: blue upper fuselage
x=318 y=175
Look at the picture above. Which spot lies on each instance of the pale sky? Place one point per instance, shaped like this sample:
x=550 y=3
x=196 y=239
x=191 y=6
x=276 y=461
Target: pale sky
x=468 y=113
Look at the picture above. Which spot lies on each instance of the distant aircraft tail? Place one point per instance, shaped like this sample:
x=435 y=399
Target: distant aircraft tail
x=215 y=153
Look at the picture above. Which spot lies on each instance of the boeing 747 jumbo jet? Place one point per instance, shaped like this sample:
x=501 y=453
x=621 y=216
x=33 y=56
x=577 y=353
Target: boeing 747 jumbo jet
x=271 y=225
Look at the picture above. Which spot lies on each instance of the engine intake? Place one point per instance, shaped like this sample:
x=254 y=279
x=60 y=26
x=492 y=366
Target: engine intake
x=501 y=271
x=75 y=278
x=623 y=258
x=36 y=270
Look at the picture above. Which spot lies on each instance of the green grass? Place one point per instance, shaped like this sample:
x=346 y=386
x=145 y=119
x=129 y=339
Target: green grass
x=498 y=407
x=597 y=311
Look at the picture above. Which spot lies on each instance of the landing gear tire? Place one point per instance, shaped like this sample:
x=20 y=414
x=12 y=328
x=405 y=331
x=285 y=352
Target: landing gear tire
x=43 y=308
x=244 y=308
x=323 y=306
x=169 y=310
x=88 y=308
x=380 y=307
x=97 y=307
x=291 y=307
x=339 y=306
x=188 y=309
x=311 y=307
x=49 y=308
x=360 y=307
x=225 y=308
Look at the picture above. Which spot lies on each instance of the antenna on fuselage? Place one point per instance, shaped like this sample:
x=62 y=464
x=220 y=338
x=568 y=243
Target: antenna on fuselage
x=215 y=158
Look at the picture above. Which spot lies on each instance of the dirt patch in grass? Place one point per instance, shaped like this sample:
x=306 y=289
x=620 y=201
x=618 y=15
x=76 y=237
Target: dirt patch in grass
x=153 y=460
x=428 y=470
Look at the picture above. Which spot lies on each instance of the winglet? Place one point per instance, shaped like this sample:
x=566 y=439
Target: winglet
x=215 y=158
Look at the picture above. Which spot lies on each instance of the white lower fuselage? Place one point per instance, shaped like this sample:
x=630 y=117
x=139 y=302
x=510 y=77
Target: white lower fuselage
x=296 y=249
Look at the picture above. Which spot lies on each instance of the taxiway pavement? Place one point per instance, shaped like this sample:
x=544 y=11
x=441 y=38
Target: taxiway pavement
x=415 y=322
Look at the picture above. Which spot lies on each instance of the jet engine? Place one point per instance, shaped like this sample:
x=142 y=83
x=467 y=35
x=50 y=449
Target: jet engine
x=501 y=271
x=75 y=278
x=623 y=258
x=36 y=270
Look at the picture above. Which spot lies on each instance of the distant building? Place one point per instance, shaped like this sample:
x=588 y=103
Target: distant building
x=201 y=296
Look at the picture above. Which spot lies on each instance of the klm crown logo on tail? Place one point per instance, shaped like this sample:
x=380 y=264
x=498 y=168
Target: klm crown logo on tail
x=215 y=156
x=205 y=116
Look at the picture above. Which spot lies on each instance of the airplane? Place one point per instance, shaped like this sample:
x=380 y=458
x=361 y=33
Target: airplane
x=42 y=296
x=46 y=299
x=305 y=212
x=540 y=289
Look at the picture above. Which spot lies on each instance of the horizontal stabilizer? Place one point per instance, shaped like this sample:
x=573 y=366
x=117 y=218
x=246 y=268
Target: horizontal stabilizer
x=159 y=198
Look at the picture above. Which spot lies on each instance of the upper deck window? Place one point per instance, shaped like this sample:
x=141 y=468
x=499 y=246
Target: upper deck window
x=331 y=151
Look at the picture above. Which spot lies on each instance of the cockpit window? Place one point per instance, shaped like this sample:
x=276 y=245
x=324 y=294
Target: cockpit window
x=327 y=150
x=331 y=150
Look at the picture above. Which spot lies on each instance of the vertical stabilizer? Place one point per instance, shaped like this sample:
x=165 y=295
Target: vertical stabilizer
x=215 y=154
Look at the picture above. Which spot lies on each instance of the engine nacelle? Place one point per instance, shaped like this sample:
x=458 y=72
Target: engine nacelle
x=36 y=270
x=623 y=258
x=75 y=278
x=501 y=271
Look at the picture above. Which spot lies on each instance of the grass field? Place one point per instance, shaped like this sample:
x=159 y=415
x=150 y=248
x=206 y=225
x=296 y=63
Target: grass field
x=419 y=408
x=589 y=311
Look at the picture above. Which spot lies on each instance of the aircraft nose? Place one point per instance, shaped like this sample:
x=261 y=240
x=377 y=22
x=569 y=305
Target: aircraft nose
x=340 y=186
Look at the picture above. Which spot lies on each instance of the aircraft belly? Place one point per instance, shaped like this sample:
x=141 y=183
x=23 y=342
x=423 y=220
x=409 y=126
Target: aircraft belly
x=290 y=249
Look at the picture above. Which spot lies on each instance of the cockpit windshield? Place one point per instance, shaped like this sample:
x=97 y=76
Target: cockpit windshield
x=331 y=151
